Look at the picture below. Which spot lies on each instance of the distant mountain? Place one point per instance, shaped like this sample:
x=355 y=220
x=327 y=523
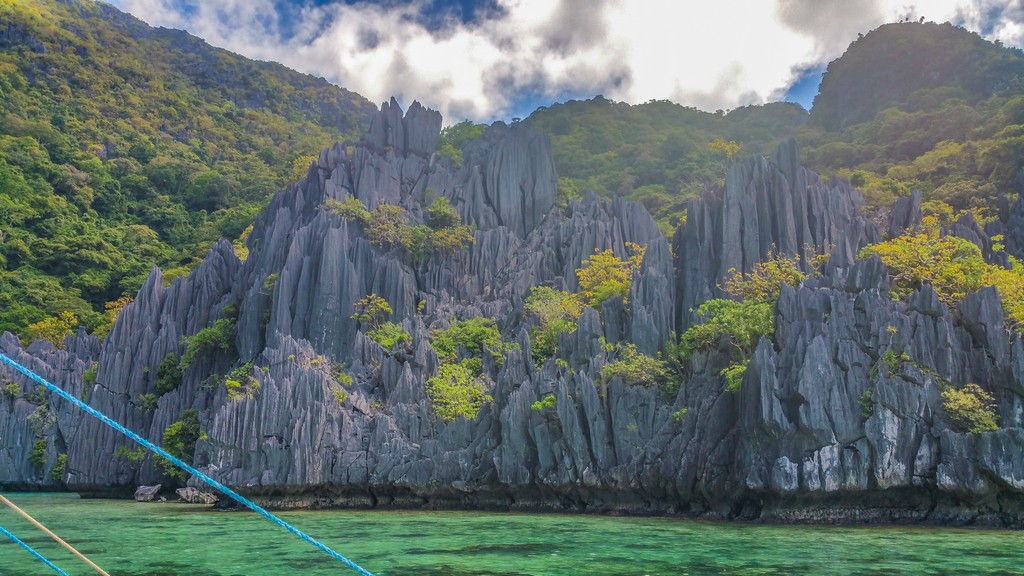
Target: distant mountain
x=913 y=64
x=123 y=147
x=922 y=106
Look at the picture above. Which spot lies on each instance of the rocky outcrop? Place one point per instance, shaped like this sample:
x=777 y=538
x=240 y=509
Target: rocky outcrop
x=192 y=496
x=147 y=493
x=839 y=414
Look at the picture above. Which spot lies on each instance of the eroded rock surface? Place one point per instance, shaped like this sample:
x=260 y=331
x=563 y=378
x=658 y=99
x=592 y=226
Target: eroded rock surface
x=821 y=429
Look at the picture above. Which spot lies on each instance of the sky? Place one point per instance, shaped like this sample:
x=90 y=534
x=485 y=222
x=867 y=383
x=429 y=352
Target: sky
x=500 y=59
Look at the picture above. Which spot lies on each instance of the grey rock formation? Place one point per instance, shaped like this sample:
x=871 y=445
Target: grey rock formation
x=194 y=496
x=839 y=414
x=147 y=493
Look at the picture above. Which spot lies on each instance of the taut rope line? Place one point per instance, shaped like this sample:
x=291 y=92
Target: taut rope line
x=177 y=462
x=47 y=531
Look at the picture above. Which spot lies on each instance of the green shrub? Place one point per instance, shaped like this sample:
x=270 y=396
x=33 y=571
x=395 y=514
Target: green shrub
x=240 y=382
x=12 y=389
x=456 y=392
x=371 y=310
x=350 y=208
x=557 y=313
x=146 y=402
x=134 y=457
x=388 y=335
x=339 y=395
x=867 y=407
x=220 y=336
x=473 y=334
x=168 y=375
x=440 y=214
x=635 y=367
x=269 y=283
x=89 y=376
x=734 y=376
x=37 y=457
x=57 y=472
x=971 y=409
x=548 y=401
x=180 y=441
x=678 y=415
x=743 y=323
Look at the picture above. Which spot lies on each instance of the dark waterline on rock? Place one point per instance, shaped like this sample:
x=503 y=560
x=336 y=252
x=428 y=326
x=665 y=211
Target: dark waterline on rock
x=131 y=539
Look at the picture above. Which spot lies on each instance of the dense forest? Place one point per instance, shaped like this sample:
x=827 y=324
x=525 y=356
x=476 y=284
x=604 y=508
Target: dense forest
x=124 y=147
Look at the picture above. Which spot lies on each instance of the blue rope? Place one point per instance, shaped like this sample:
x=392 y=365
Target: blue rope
x=32 y=551
x=164 y=454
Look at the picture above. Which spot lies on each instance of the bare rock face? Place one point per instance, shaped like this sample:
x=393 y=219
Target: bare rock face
x=193 y=496
x=839 y=416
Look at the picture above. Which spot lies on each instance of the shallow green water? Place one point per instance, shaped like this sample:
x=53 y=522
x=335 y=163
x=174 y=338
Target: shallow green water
x=126 y=538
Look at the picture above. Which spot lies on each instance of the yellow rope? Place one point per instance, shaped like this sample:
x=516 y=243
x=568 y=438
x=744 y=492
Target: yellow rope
x=51 y=534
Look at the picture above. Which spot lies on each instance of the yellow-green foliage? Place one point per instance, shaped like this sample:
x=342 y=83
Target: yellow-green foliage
x=764 y=282
x=388 y=226
x=475 y=335
x=549 y=401
x=57 y=472
x=733 y=374
x=388 y=335
x=743 y=324
x=110 y=312
x=241 y=383
x=953 y=266
x=455 y=392
x=340 y=395
x=371 y=310
x=557 y=312
x=53 y=329
x=634 y=367
x=604 y=275
x=971 y=409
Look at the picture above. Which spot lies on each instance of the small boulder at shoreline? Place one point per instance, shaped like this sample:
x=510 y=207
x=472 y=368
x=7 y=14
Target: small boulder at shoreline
x=147 y=493
x=193 y=496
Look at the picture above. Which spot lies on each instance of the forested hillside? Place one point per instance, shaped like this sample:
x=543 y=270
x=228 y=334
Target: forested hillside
x=123 y=147
x=910 y=105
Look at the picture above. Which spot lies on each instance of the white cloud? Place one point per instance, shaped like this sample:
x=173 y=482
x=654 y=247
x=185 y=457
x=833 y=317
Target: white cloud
x=711 y=55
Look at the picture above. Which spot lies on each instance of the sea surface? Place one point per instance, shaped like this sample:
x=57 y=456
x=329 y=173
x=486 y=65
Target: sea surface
x=127 y=538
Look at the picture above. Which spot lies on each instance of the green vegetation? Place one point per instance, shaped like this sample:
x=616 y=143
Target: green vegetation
x=971 y=409
x=180 y=441
x=123 y=147
x=634 y=367
x=867 y=406
x=134 y=457
x=59 y=467
x=146 y=402
x=952 y=266
x=604 y=275
x=549 y=401
x=389 y=335
x=679 y=415
x=455 y=392
x=454 y=137
x=89 y=376
x=389 y=226
x=11 y=390
x=168 y=375
x=220 y=336
x=53 y=329
x=658 y=153
x=742 y=323
x=475 y=335
x=371 y=310
x=340 y=395
x=241 y=383
x=557 y=312
x=37 y=457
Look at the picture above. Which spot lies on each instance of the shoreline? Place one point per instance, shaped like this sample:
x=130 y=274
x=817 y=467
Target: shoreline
x=891 y=508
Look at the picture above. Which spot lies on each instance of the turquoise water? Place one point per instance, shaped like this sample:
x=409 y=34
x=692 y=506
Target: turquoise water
x=126 y=538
